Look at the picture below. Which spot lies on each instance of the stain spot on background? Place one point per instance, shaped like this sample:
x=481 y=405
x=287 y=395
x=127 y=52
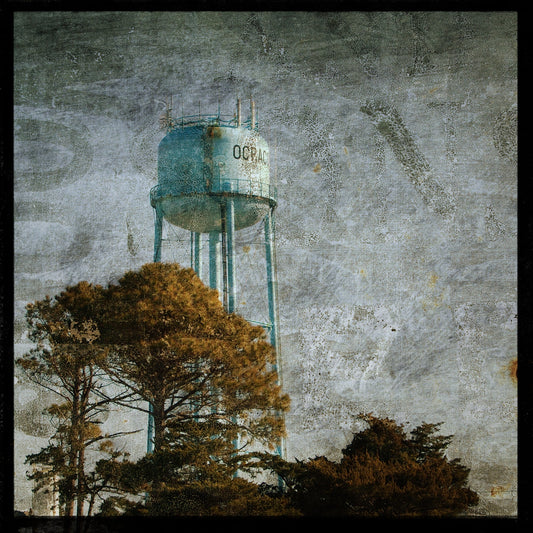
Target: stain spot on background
x=133 y=247
x=513 y=370
x=505 y=134
x=422 y=51
x=433 y=280
x=498 y=490
x=493 y=226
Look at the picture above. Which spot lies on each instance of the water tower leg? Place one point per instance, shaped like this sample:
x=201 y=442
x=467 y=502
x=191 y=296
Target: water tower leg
x=196 y=264
x=214 y=261
x=227 y=222
x=150 y=435
x=158 y=237
x=230 y=244
x=198 y=254
x=192 y=249
x=227 y=216
x=272 y=283
x=224 y=248
x=215 y=277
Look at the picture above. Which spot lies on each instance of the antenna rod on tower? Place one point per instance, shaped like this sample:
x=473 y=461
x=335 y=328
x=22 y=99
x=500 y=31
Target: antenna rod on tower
x=252 y=105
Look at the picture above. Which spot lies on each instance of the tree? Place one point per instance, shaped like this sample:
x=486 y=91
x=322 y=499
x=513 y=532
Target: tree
x=207 y=375
x=382 y=473
x=189 y=487
x=66 y=361
x=224 y=497
x=163 y=339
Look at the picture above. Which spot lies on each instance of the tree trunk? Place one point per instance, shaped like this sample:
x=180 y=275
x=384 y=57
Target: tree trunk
x=159 y=431
x=80 y=477
x=69 y=504
x=91 y=504
x=71 y=487
x=73 y=455
x=89 y=512
x=158 y=414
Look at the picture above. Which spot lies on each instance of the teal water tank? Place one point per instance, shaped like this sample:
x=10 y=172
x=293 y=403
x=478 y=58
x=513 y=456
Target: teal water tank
x=200 y=163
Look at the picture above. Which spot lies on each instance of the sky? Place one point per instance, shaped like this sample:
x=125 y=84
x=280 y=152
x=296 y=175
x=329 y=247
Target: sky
x=393 y=147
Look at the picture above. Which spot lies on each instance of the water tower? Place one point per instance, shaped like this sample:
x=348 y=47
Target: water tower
x=214 y=180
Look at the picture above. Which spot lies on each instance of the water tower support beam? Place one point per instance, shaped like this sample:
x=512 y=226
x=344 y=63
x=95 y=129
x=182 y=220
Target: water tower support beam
x=192 y=249
x=230 y=242
x=272 y=281
x=198 y=254
x=158 y=237
x=214 y=261
x=224 y=247
x=150 y=431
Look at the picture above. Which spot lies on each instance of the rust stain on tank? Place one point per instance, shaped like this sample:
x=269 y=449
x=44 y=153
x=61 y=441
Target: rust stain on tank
x=214 y=131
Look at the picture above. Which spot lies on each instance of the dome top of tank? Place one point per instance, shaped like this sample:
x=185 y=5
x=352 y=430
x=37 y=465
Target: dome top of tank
x=204 y=159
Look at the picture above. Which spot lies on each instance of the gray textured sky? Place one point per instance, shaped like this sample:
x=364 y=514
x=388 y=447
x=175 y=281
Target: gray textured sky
x=394 y=142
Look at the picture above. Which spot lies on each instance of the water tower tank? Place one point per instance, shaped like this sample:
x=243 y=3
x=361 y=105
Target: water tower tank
x=205 y=160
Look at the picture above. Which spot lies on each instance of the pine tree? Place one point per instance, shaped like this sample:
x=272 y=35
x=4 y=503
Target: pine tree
x=207 y=375
x=66 y=361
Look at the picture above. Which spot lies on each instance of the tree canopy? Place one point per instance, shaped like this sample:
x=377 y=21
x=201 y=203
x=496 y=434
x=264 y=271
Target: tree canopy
x=157 y=341
x=383 y=472
x=170 y=342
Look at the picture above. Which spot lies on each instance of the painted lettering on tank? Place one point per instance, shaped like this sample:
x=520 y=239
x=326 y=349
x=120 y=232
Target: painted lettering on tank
x=250 y=153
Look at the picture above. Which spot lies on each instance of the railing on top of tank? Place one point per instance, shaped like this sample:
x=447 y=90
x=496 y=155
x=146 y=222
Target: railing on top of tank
x=208 y=120
x=219 y=186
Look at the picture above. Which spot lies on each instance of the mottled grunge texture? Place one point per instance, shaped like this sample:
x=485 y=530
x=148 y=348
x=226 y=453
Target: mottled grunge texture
x=393 y=142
